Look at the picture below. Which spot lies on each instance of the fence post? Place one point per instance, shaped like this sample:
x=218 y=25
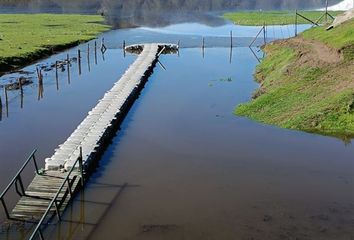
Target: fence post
x=79 y=60
x=6 y=97
x=56 y=75
x=0 y=109
x=95 y=52
x=264 y=33
x=68 y=66
x=295 y=22
x=326 y=16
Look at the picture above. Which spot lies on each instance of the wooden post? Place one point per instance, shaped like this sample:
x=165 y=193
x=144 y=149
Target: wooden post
x=20 y=84
x=21 y=91
x=5 y=92
x=124 y=53
x=95 y=52
x=178 y=45
x=6 y=101
x=40 y=83
x=231 y=42
x=203 y=46
x=326 y=13
x=56 y=74
x=264 y=33
x=295 y=22
x=88 y=57
x=103 y=46
x=68 y=66
x=79 y=60
x=0 y=109
x=255 y=38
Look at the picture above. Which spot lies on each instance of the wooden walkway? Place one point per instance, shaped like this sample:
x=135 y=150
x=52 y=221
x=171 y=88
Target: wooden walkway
x=40 y=193
x=89 y=137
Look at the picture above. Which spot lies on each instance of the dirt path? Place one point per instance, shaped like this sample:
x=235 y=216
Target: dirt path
x=316 y=50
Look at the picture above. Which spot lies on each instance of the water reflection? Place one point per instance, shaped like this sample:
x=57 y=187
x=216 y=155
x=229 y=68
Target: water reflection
x=205 y=171
x=185 y=35
x=16 y=89
x=125 y=14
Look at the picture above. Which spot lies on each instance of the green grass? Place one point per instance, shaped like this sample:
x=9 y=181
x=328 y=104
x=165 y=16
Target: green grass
x=306 y=96
x=341 y=38
x=27 y=37
x=272 y=17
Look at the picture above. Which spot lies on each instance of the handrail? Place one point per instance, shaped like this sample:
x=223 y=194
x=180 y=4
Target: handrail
x=18 y=178
x=54 y=200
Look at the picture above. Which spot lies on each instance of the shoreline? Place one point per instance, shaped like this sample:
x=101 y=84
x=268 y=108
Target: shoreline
x=306 y=83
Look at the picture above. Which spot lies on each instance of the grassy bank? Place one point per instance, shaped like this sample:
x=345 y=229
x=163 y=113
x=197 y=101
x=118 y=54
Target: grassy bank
x=301 y=89
x=272 y=17
x=28 y=37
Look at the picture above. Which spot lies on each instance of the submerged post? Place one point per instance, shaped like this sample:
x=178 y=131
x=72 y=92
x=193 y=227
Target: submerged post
x=79 y=60
x=6 y=101
x=40 y=83
x=95 y=52
x=123 y=47
x=203 y=46
x=0 y=109
x=56 y=74
x=103 y=46
x=88 y=57
x=21 y=91
x=20 y=84
x=68 y=66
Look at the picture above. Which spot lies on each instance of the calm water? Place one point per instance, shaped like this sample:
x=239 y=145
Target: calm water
x=183 y=166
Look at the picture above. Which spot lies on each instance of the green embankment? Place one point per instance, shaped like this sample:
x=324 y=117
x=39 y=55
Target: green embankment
x=299 y=91
x=273 y=17
x=27 y=37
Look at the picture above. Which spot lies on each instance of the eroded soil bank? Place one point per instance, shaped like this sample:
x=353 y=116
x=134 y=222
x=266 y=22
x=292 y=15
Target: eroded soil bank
x=306 y=83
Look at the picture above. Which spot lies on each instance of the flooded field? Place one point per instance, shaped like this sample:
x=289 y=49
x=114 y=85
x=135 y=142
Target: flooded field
x=183 y=166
